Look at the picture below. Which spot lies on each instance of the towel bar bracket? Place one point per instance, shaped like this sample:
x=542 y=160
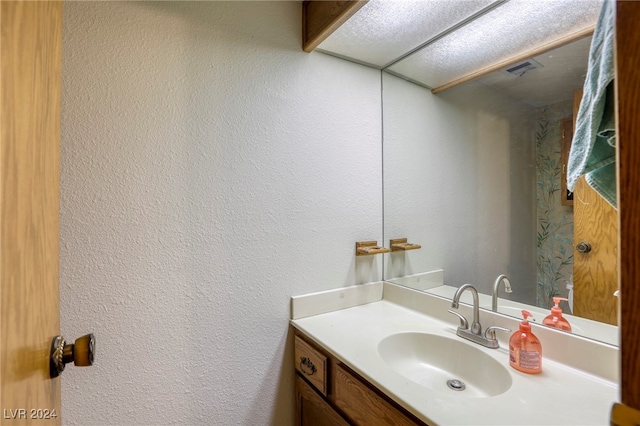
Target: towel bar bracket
x=367 y=248
x=401 y=244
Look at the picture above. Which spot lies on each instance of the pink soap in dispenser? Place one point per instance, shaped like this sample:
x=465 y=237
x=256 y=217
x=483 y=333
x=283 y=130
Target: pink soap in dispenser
x=555 y=319
x=525 y=350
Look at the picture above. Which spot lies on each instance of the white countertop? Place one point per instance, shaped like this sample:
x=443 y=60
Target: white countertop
x=560 y=395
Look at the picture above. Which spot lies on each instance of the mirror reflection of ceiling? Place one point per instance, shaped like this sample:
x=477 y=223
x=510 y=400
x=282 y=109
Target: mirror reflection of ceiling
x=434 y=42
x=550 y=78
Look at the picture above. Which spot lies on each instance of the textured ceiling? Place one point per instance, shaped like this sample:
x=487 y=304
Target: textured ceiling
x=435 y=42
x=382 y=31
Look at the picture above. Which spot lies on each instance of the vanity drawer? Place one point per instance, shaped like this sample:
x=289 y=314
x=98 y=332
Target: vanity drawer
x=311 y=364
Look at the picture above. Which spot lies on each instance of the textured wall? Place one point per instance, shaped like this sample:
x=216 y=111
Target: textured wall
x=210 y=170
x=459 y=179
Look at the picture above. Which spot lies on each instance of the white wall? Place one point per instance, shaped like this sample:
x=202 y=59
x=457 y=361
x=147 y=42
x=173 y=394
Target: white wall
x=210 y=170
x=459 y=179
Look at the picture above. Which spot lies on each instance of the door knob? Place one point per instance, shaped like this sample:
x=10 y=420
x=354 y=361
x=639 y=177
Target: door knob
x=583 y=247
x=81 y=352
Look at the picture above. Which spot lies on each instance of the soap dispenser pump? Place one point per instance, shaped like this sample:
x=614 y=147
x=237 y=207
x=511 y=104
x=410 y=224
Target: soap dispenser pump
x=525 y=350
x=555 y=319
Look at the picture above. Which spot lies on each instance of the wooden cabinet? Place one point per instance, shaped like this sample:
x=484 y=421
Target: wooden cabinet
x=311 y=364
x=312 y=409
x=328 y=393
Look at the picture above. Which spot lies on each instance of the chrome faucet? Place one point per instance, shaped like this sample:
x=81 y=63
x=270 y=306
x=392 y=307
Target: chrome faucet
x=494 y=295
x=474 y=333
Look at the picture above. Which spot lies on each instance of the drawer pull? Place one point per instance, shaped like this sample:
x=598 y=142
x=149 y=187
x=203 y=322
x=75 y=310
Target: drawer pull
x=307 y=367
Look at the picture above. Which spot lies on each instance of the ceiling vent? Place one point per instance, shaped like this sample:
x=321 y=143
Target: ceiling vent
x=522 y=68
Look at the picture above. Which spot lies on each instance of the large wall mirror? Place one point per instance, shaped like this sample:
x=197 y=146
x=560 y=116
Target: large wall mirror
x=474 y=173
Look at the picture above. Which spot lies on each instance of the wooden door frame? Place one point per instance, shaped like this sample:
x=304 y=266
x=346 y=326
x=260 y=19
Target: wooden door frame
x=628 y=153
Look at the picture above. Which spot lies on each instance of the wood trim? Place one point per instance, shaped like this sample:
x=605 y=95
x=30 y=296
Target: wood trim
x=567 y=137
x=320 y=18
x=577 y=98
x=526 y=55
x=621 y=415
x=628 y=152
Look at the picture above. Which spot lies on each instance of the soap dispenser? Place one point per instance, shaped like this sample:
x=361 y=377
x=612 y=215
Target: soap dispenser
x=555 y=319
x=525 y=350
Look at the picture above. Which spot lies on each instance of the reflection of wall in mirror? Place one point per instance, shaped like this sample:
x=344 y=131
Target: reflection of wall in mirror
x=470 y=174
x=459 y=178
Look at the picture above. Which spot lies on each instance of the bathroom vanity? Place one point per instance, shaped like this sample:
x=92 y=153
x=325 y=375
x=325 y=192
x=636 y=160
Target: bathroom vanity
x=393 y=357
x=332 y=388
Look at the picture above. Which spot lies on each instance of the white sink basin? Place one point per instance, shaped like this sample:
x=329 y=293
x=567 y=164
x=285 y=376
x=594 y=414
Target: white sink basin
x=432 y=360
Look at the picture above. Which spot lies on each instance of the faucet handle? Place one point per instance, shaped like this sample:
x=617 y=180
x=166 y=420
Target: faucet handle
x=464 y=324
x=490 y=333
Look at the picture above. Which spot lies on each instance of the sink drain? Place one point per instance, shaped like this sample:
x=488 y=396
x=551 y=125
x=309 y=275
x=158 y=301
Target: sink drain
x=456 y=385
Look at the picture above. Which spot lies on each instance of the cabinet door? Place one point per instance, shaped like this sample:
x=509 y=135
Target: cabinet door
x=312 y=409
x=363 y=406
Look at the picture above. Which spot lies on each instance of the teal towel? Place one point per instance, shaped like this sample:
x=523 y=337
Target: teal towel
x=593 y=149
